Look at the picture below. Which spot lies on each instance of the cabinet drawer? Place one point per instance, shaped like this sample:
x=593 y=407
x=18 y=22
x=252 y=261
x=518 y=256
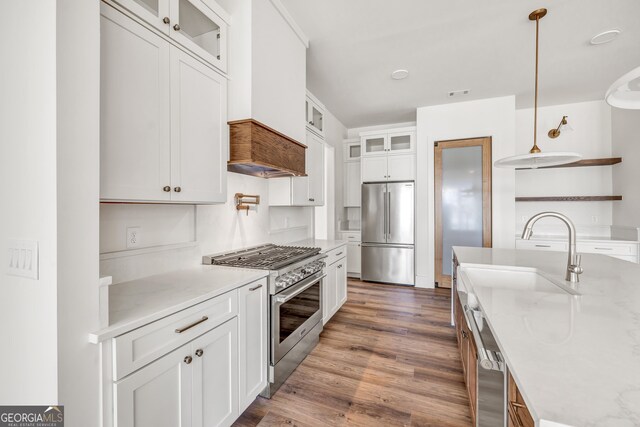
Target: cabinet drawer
x=542 y=245
x=625 y=249
x=141 y=346
x=335 y=254
x=351 y=236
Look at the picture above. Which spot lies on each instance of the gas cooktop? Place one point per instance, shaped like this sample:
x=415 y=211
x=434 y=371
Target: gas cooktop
x=265 y=257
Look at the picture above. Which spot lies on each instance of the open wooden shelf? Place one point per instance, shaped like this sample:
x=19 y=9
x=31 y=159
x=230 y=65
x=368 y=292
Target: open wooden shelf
x=568 y=199
x=584 y=163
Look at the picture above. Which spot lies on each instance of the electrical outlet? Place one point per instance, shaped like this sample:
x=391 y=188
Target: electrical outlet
x=22 y=259
x=134 y=235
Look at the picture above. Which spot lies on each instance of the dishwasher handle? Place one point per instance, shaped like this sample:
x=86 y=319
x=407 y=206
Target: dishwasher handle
x=488 y=359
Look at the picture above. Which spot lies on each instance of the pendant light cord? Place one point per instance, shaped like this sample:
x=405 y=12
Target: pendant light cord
x=535 y=148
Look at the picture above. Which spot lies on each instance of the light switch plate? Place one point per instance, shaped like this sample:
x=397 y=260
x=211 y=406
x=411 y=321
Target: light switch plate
x=22 y=259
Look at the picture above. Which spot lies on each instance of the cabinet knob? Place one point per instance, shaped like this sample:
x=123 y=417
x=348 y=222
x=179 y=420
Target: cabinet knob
x=166 y=20
x=176 y=27
x=177 y=189
x=199 y=352
x=312 y=200
x=188 y=360
x=166 y=189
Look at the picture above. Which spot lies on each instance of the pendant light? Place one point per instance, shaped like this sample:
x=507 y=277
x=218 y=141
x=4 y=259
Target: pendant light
x=535 y=158
x=625 y=92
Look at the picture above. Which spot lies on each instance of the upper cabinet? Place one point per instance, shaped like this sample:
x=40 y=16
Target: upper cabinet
x=163 y=132
x=397 y=141
x=352 y=150
x=351 y=188
x=315 y=115
x=198 y=25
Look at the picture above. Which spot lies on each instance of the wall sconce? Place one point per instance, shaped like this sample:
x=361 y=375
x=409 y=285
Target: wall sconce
x=554 y=133
x=243 y=205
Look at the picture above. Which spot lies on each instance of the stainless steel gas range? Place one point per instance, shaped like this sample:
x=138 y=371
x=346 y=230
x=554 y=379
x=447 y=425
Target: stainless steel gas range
x=296 y=276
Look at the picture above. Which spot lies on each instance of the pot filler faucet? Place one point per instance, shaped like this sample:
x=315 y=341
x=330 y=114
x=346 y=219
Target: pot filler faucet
x=573 y=261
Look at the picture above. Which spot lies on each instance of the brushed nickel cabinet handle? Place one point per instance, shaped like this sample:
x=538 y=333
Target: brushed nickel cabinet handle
x=176 y=27
x=177 y=189
x=191 y=325
x=255 y=288
x=188 y=360
x=339 y=253
x=166 y=188
x=166 y=20
x=199 y=352
x=603 y=249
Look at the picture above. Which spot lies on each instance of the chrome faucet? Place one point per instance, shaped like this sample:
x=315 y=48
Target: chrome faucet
x=573 y=263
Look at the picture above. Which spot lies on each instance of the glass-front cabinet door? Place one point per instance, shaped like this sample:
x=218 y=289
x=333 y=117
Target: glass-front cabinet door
x=315 y=117
x=401 y=142
x=155 y=12
x=374 y=145
x=200 y=29
x=352 y=150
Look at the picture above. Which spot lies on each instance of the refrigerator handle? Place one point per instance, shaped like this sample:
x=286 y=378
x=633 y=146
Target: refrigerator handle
x=384 y=209
x=389 y=214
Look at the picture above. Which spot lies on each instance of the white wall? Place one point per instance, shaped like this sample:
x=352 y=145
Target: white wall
x=493 y=117
x=626 y=175
x=28 y=309
x=78 y=151
x=591 y=137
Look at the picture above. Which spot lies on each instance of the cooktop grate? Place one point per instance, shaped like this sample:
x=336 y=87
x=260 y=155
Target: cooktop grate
x=267 y=257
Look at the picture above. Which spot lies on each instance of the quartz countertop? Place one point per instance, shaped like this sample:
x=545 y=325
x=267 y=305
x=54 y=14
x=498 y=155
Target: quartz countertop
x=324 y=245
x=139 y=302
x=576 y=359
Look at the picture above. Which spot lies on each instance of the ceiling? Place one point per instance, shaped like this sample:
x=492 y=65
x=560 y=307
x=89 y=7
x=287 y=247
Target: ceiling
x=486 y=46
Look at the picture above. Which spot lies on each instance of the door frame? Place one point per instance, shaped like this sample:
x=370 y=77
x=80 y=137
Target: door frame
x=484 y=142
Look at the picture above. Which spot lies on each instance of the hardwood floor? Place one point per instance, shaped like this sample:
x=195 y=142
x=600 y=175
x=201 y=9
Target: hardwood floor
x=388 y=358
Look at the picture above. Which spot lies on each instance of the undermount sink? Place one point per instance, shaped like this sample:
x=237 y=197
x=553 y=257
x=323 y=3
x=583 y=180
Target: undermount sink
x=530 y=280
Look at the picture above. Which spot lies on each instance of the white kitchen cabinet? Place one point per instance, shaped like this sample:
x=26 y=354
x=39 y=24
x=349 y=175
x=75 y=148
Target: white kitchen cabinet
x=195 y=385
x=352 y=150
x=388 y=168
x=306 y=190
x=392 y=141
x=253 y=347
x=314 y=115
x=352 y=187
x=163 y=119
x=627 y=251
x=335 y=283
x=354 y=259
x=198 y=25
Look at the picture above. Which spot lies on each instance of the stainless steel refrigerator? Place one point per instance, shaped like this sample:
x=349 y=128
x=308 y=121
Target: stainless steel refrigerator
x=388 y=232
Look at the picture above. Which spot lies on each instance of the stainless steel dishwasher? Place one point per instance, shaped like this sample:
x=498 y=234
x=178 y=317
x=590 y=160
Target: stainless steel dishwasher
x=491 y=405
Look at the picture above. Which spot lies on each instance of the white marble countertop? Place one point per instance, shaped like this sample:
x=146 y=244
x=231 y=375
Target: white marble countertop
x=324 y=245
x=139 y=302
x=576 y=359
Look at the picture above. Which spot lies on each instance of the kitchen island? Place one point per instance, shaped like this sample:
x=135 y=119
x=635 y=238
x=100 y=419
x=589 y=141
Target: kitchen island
x=575 y=356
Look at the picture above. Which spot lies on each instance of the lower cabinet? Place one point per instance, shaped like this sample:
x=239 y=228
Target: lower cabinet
x=335 y=285
x=354 y=259
x=468 y=354
x=519 y=415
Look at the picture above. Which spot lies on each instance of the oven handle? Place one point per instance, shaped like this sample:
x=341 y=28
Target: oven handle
x=303 y=286
x=489 y=360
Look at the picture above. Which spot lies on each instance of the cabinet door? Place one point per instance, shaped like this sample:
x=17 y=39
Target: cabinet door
x=315 y=117
x=401 y=168
x=134 y=110
x=155 y=12
x=353 y=258
x=352 y=151
x=352 y=186
x=309 y=190
x=198 y=131
x=341 y=282
x=329 y=293
x=401 y=142
x=201 y=30
x=215 y=376
x=374 y=145
x=158 y=395
x=252 y=336
x=374 y=169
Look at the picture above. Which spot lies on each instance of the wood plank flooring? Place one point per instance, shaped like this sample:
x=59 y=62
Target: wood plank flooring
x=389 y=357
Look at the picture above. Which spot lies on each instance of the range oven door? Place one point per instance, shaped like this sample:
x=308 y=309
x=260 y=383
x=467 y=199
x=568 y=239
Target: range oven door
x=294 y=312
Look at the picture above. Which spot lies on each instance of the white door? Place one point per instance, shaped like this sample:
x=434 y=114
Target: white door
x=353 y=258
x=134 y=111
x=341 y=282
x=155 y=12
x=352 y=186
x=158 y=395
x=374 y=169
x=401 y=167
x=252 y=335
x=198 y=131
x=215 y=376
x=329 y=294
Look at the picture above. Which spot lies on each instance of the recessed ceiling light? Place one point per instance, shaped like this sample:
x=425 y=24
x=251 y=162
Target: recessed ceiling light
x=605 y=37
x=459 y=92
x=399 y=74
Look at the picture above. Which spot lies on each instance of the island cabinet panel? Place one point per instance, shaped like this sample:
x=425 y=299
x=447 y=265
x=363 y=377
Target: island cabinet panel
x=519 y=415
x=468 y=355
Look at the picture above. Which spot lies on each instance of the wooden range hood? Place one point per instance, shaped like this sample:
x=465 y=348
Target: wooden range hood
x=258 y=150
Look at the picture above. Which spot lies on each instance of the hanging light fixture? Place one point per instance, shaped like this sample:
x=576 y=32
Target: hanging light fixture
x=536 y=158
x=625 y=92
